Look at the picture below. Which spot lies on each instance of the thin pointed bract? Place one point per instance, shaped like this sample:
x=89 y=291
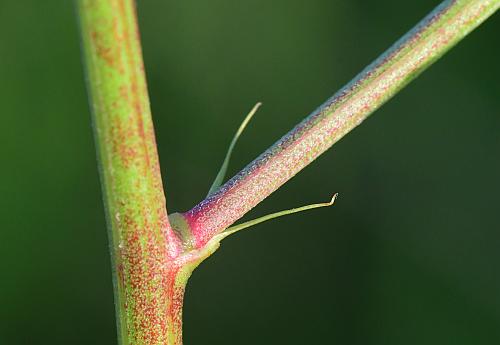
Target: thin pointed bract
x=219 y=179
x=235 y=228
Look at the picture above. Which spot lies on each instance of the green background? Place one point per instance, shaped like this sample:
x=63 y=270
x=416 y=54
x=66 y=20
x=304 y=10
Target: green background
x=409 y=253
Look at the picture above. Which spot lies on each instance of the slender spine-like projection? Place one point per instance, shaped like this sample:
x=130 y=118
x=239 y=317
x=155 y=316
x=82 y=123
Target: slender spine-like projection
x=153 y=254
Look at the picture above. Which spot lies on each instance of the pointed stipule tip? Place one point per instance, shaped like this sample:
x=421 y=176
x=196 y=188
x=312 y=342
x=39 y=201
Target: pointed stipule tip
x=334 y=197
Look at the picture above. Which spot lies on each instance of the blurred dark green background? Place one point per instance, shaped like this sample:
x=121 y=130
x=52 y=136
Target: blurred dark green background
x=408 y=255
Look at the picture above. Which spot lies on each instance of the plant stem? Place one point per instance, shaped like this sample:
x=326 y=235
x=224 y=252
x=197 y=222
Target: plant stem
x=153 y=259
x=148 y=281
x=418 y=49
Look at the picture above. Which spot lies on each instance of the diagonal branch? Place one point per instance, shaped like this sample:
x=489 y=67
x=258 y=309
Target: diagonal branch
x=406 y=59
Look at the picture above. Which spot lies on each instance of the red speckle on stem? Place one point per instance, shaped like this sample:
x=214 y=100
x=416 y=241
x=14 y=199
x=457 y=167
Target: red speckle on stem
x=103 y=51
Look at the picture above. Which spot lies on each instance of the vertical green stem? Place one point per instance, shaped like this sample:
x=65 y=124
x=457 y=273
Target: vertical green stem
x=148 y=286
